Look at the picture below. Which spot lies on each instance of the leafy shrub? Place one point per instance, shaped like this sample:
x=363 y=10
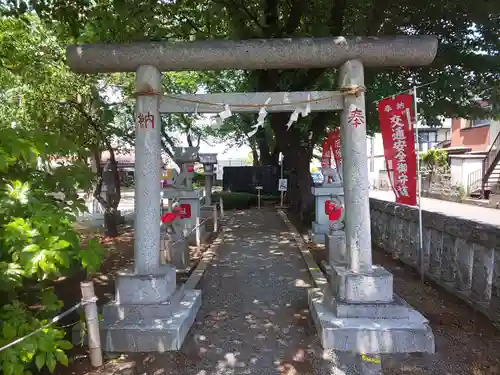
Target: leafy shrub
x=199 y=179
x=242 y=201
x=235 y=201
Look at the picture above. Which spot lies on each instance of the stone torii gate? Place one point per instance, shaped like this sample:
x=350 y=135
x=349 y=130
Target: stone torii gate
x=351 y=55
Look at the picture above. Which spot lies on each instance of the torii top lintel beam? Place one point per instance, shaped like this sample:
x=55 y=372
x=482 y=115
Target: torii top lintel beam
x=253 y=54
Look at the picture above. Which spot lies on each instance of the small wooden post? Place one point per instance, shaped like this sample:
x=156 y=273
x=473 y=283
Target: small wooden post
x=92 y=318
x=198 y=234
x=221 y=204
x=214 y=212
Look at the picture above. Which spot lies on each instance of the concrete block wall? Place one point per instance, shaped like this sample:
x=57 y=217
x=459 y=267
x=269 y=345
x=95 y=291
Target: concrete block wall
x=463 y=256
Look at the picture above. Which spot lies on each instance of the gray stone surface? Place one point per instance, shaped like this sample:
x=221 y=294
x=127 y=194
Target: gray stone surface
x=317 y=238
x=355 y=169
x=147 y=171
x=364 y=335
x=114 y=312
x=449 y=260
x=465 y=254
x=320 y=228
x=153 y=334
x=253 y=54
x=462 y=250
x=482 y=273
x=177 y=254
x=335 y=244
x=375 y=286
x=396 y=309
x=133 y=288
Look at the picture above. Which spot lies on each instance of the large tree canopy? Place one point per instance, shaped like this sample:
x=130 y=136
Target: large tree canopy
x=466 y=67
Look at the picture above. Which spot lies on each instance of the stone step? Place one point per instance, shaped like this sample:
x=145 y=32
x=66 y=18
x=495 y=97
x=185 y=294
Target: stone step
x=366 y=335
x=114 y=312
x=397 y=309
x=153 y=335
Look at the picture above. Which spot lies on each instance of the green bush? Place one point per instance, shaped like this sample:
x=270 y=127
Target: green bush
x=199 y=179
x=242 y=201
x=235 y=201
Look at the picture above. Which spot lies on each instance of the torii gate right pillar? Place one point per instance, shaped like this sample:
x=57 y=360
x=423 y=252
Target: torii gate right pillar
x=359 y=314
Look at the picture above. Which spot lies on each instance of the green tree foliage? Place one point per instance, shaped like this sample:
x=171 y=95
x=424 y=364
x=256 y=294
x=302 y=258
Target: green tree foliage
x=466 y=67
x=435 y=160
x=38 y=198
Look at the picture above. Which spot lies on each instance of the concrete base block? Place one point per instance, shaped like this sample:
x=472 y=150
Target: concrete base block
x=132 y=288
x=320 y=228
x=153 y=333
x=410 y=334
x=317 y=238
x=335 y=243
x=376 y=286
x=114 y=312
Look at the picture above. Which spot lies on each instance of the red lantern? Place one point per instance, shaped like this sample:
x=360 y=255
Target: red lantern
x=333 y=212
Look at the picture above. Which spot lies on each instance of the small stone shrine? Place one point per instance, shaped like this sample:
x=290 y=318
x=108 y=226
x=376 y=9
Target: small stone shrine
x=331 y=187
x=182 y=191
x=174 y=246
x=209 y=161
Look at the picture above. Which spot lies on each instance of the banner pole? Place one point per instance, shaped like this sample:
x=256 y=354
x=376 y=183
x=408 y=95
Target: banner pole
x=419 y=190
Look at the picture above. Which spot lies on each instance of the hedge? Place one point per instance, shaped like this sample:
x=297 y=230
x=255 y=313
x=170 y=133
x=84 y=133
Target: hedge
x=241 y=201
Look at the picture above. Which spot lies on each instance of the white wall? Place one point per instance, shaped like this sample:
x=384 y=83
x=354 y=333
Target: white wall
x=494 y=130
x=462 y=166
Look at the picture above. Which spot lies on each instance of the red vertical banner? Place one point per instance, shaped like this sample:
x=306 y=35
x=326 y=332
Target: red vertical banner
x=396 y=125
x=326 y=154
x=334 y=140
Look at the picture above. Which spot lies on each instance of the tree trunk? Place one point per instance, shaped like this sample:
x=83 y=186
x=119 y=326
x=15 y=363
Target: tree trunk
x=111 y=221
x=296 y=163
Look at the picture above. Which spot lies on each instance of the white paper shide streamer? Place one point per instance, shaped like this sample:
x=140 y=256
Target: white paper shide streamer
x=304 y=111
x=260 y=119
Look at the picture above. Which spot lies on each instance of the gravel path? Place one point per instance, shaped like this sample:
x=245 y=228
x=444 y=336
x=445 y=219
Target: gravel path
x=254 y=318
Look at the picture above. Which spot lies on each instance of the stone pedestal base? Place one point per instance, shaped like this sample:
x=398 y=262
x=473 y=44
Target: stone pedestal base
x=361 y=287
x=360 y=314
x=335 y=244
x=410 y=333
x=318 y=232
x=150 y=313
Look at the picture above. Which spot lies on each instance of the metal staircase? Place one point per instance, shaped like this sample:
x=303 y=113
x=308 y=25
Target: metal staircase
x=486 y=180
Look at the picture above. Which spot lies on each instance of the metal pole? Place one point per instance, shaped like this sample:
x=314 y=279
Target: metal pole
x=214 y=213
x=91 y=317
x=198 y=234
x=419 y=191
x=282 y=192
x=221 y=204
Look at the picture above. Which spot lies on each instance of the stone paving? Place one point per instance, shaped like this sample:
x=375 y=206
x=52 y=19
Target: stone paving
x=254 y=317
x=483 y=215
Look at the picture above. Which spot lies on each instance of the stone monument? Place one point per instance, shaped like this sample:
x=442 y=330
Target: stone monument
x=331 y=186
x=209 y=161
x=335 y=238
x=182 y=191
x=174 y=246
